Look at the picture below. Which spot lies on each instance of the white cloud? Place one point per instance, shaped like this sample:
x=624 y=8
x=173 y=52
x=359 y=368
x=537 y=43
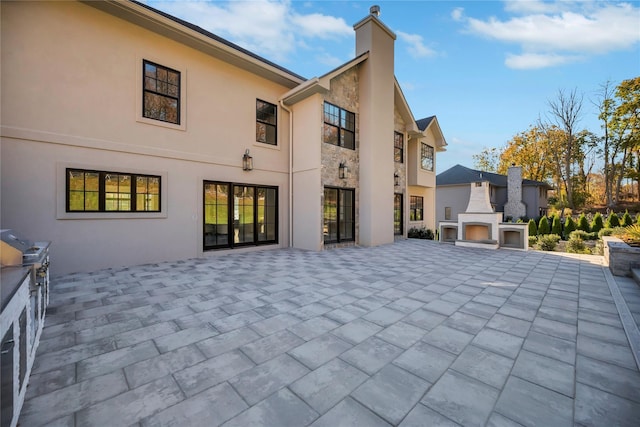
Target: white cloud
x=528 y=61
x=550 y=38
x=456 y=14
x=415 y=45
x=270 y=28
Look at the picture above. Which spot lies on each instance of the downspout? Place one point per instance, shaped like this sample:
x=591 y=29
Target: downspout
x=290 y=171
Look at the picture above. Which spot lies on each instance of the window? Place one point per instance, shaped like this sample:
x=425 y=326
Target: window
x=398 y=147
x=427 y=157
x=415 y=208
x=161 y=93
x=239 y=215
x=97 y=191
x=339 y=126
x=397 y=214
x=339 y=215
x=266 y=122
x=447 y=213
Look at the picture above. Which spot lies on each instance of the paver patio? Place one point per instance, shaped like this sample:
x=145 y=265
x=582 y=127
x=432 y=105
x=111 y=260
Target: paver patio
x=415 y=333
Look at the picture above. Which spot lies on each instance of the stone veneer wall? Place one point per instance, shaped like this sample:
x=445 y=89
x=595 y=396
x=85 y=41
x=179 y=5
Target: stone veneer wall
x=344 y=94
x=620 y=257
x=399 y=125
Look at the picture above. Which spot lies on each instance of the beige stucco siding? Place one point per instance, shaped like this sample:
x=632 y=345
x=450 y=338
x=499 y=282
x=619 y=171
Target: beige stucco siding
x=71 y=97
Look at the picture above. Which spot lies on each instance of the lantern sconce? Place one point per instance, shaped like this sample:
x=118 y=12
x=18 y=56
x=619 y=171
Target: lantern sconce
x=247 y=161
x=396 y=179
x=343 y=171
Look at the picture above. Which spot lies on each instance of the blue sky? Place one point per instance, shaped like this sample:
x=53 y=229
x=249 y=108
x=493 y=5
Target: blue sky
x=486 y=69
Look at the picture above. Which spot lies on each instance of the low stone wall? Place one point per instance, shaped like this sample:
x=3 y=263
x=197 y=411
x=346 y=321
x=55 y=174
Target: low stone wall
x=620 y=257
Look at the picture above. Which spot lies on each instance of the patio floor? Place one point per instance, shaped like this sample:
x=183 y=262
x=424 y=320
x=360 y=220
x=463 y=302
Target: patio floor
x=415 y=333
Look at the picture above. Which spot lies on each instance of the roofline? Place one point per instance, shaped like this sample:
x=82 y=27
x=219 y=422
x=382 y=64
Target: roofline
x=320 y=84
x=196 y=37
x=437 y=124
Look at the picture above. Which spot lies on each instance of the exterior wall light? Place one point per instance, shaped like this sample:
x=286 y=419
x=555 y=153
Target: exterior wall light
x=396 y=179
x=247 y=161
x=343 y=171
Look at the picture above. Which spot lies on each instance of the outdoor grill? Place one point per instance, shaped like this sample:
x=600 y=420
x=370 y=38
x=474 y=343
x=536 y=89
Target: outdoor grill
x=25 y=296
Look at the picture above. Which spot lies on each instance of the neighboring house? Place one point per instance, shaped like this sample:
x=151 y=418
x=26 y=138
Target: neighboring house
x=130 y=136
x=453 y=190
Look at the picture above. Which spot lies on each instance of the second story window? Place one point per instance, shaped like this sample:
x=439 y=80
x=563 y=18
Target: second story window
x=398 y=147
x=426 y=156
x=266 y=122
x=339 y=126
x=161 y=93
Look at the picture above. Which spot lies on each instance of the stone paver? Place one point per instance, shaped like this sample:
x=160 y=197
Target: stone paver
x=409 y=334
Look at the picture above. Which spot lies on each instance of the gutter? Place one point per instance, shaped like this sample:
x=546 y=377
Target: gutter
x=281 y=101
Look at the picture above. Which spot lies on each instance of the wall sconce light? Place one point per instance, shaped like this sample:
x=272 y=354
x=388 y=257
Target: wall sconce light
x=247 y=161
x=396 y=179
x=343 y=171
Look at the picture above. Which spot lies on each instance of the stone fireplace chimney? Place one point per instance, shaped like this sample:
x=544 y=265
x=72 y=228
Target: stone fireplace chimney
x=514 y=207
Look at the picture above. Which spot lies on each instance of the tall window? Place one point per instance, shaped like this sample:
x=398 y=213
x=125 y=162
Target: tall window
x=161 y=93
x=237 y=215
x=98 y=191
x=415 y=208
x=426 y=155
x=447 y=213
x=266 y=122
x=398 y=147
x=339 y=126
x=339 y=215
x=397 y=214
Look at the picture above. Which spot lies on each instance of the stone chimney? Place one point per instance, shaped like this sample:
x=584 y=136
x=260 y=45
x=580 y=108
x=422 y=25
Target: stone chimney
x=514 y=207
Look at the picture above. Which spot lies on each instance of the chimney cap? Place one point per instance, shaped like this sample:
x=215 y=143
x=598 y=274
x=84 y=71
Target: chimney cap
x=374 y=10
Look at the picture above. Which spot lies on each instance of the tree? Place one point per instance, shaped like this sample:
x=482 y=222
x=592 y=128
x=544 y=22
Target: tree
x=597 y=223
x=565 y=114
x=487 y=159
x=569 y=226
x=543 y=226
x=529 y=149
x=533 y=228
x=556 y=225
x=626 y=219
x=627 y=113
x=583 y=223
x=612 y=221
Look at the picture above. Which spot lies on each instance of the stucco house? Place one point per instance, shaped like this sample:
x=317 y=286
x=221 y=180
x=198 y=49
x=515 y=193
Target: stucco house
x=453 y=188
x=129 y=136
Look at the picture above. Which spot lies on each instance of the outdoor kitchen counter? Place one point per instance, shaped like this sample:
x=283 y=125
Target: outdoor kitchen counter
x=10 y=280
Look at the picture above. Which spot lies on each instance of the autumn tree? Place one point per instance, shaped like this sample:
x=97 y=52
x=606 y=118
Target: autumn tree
x=487 y=160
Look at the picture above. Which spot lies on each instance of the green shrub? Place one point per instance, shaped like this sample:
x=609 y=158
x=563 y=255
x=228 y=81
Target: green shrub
x=612 y=221
x=583 y=223
x=605 y=232
x=548 y=242
x=556 y=226
x=579 y=234
x=420 y=233
x=533 y=228
x=597 y=224
x=576 y=245
x=626 y=219
x=569 y=226
x=532 y=241
x=637 y=217
x=543 y=226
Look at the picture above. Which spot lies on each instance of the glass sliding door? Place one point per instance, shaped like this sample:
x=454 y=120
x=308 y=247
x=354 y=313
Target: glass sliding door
x=216 y=215
x=339 y=215
x=239 y=215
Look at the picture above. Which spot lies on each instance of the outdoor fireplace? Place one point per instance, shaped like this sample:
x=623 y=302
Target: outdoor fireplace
x=481 y=227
